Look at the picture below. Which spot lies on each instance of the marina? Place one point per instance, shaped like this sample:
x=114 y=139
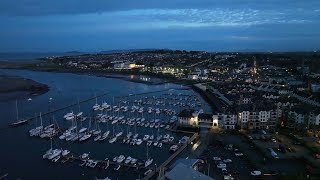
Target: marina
x=109 y=125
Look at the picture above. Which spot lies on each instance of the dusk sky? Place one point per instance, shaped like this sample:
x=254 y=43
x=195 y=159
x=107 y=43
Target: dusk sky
x=211 y=25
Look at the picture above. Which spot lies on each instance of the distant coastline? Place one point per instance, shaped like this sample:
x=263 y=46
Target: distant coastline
x=125 y=75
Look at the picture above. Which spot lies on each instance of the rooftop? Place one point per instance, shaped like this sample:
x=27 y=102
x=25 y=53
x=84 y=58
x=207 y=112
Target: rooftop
x=186 y=113
x=182 y=171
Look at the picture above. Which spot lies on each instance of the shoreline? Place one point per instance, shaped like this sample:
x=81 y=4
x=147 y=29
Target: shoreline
x=123 y=75
x=162 y=78
x=16 y=86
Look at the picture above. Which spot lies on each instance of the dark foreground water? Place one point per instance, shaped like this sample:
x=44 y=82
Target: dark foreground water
x=21 y=155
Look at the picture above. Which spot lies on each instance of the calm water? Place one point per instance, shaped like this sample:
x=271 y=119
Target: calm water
x=21 y=155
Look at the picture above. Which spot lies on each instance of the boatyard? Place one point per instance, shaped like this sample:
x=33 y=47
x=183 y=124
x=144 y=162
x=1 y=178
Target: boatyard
x=129 y=124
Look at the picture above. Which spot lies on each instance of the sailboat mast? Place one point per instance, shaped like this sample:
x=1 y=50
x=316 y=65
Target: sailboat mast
x=17 y=109
x=147 y=153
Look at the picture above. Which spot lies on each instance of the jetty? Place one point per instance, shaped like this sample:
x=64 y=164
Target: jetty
x=164 y=165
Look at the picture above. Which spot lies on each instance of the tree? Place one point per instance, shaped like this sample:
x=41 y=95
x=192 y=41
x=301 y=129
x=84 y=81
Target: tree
x=186 y=72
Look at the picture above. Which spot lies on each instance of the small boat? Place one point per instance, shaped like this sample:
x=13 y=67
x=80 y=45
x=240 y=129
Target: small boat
x=129 y=134
x=146 y=137
x=79 y=114
x=82 y=130
x=174 y=148
x=96 y=132
x=29 y=99
x=139 y=141
x=133 y=160
x=70 y=118
x=148 y=162
x=135 y=136
x=128 y=160
x=119 y=134
x=65 y=152
x=85 y=156
x=68 y=115
x=114 y=121
x=54 y=154
x=155 y=143
x=151 y=137
x=85 y=137
x=159 y=137
x=105 y=135
x=115 y=159
x=97 y=138
x=146 y=124
x=56 y=159
x=19 y=122
x=152 y=125
x=113 y=140
x=120 y=159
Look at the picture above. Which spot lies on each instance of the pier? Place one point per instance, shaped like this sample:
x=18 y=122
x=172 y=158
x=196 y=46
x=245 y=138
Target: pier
x=106 y=162
x=163 y=166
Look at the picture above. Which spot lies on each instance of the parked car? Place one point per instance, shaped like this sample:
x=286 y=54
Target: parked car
x=273 y=140
x=238 y=154
x=224 y=170
x=297 y=143
x=227 y=160
x=228 y=177
x=216 y=158
x=255 y=173
x=221 y=165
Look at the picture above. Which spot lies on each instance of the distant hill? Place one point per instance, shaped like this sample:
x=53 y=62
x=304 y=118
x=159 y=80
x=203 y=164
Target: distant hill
x=75 y=52
x=126 y=51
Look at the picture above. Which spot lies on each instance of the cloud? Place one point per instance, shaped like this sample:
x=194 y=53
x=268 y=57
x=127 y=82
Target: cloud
x=144 y=19
x=153 y=23
x=61 y=7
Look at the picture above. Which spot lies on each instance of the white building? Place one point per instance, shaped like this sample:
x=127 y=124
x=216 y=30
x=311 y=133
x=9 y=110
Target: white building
x=188 y=118
x=227 y=121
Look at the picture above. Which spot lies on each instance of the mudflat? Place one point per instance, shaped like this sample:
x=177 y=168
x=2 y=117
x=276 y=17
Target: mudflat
x=10 y=84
